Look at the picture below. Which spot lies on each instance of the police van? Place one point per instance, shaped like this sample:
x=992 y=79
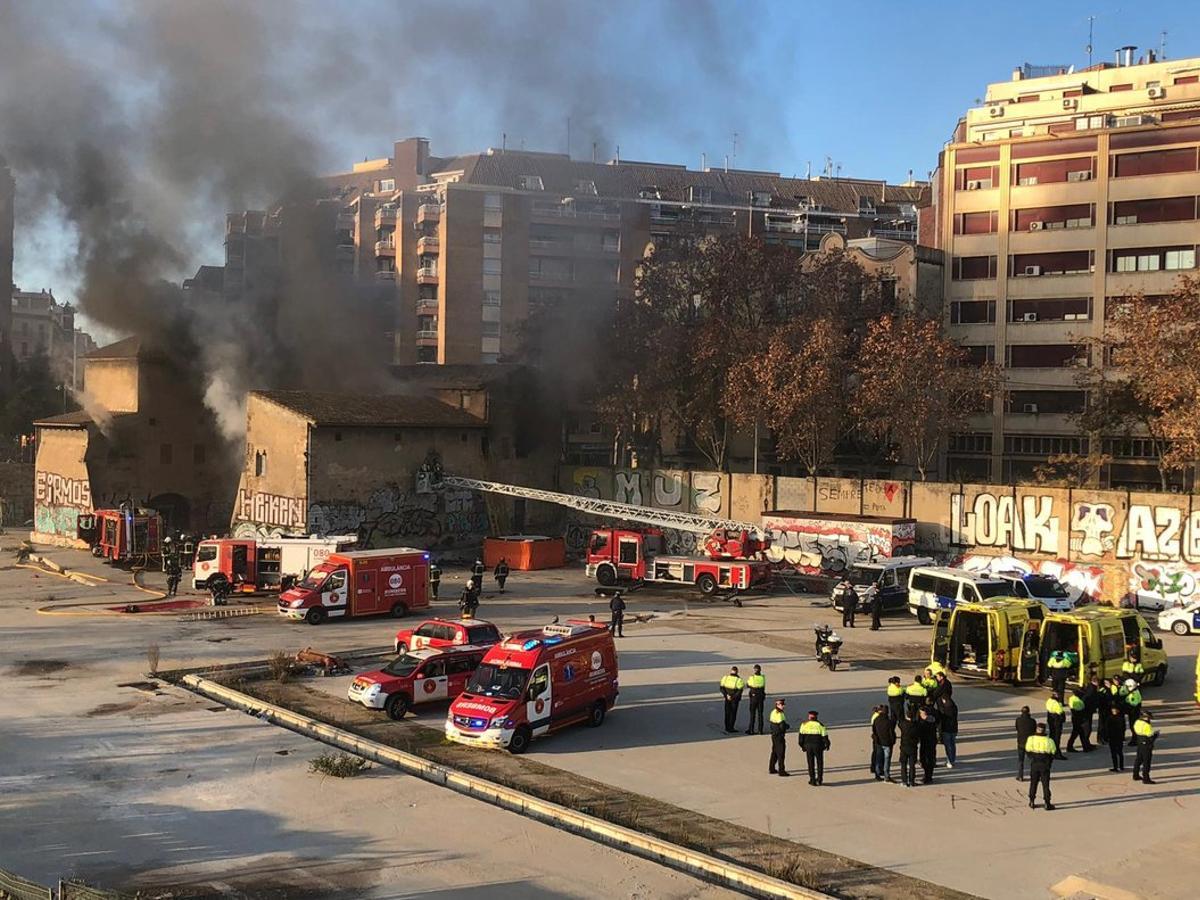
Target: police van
x=887 y=576
x=931 y=588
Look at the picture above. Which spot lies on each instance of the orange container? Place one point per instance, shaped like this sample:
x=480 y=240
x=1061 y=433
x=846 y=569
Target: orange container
x=525 y=552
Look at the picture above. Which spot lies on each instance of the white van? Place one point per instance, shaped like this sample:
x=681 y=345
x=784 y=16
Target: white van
x=933 y=587
x=887 y=576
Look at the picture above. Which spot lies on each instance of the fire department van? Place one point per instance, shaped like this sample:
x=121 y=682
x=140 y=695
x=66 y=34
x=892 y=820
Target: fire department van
x=271 y=564
x=416 y=677
x=534 y=683
x=361 y=583
x=447 y=633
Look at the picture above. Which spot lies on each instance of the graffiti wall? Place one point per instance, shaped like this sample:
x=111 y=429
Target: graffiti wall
x=58 y=502
x=271 y=510
x=828 y=547
x=1109 y=544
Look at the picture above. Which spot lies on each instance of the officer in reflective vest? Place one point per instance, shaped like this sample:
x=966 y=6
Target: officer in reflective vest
x=758 y=694
x=1079 y=718
x=779 y=727
x=1055 y=716
x=731 y=689
x=928 y=681
x=1146 y=736
x=1059 y=668
x=916 y=693
x=895 y=698
x=1132 y=668
x=1133 y=707
x=814 y=741
x=1041 y=752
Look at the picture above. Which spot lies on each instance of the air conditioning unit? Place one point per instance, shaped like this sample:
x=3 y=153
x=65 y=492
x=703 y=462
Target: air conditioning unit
x=1029 y=408
x=995 y=111
x=1080 y=175
x=1157 y=93
x=1033 y=270
x=1070 y=102
x=1029 y=317
x=974 y=185
x=1036 y=226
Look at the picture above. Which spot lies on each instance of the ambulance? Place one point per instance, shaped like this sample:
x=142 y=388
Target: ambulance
x=1102 y=637
x=534 y=683
x=392 y=582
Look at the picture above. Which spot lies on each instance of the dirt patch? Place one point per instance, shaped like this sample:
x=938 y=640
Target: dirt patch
x=34 y=667
x=149 y=687
x=797 y=863
x=111 y=709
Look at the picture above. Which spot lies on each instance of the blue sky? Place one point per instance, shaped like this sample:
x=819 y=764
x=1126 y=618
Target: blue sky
x=876 y=86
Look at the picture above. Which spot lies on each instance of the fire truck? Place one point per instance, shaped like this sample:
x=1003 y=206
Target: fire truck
x=271 y=564
x=124 y=535
x=734 y=552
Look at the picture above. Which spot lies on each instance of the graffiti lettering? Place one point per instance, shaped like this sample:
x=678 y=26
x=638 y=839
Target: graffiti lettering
x=1163 y=585
x=668 y=489
x=1079 y=580
x=829 y=547
x=51 y=489
x=270 y=509
x=999 y=521
x=389 y=515
x=706 y=493
x=627 y=488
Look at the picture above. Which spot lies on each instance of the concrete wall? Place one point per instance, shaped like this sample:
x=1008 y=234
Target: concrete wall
x=1109 y=544
x=113 y=383
x=62 y=489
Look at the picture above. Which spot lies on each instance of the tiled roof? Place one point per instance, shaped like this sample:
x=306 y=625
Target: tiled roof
x=365 y=410
x=129 y=348
x=79 y=417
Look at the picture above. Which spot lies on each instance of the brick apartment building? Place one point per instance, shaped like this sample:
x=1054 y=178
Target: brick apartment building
x=40 y=324
x=1063 y=191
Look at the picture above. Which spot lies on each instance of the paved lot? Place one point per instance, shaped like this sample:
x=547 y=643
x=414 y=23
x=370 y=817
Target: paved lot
x=665 y=739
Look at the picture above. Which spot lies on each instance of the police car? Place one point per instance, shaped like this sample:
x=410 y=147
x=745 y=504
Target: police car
x=1044 y=588
x=1181 y=619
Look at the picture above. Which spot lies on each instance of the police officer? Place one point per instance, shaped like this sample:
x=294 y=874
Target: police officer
x=1055 y=716
x=849 y=605
x=616 y=608
x=875 y=599
x=910 y=740
x=928 y=681
x=1091 y=703
x=927 y=742
x=1078 y=707
x=1026 y=728
x=435 y=578
x=1041 y=752
x=1132 y=669
x=731 y=689
x=500 y=573
x=915 y=694
x=1059 y=667
x=1133 y=707
x=895 y=698
x=814 y=741
x=1146 y=736
x=758 y=694
x=779 y=727
x=1113 y=730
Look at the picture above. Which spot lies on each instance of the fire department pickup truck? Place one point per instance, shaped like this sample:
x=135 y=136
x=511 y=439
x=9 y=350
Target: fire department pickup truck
x=420 y=676
x=447 y=633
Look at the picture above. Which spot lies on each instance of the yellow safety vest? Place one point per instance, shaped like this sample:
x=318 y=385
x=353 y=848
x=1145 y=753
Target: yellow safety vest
x=1132 y=668
x=732 y=683
x=1142 y=728
x=777 y=716
x=757 y=682
x=1134 y=698
x=874 y=716
x=894 y=690
x=813 y=727
x=1076 y=703
x=916 y=690
x=1040 y=743
x=1053 y=707
x=929 y=683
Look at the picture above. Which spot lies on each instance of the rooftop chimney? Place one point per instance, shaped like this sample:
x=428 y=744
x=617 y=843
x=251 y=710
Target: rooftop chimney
x=1125 y=55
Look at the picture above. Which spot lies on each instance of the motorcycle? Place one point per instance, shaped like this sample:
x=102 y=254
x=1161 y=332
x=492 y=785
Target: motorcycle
x=828 y=645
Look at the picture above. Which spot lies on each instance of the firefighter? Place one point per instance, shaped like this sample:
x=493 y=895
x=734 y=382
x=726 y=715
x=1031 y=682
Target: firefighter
x=500 y=573
x=435 y=578
x=895 y=698
x=1078 y=707
x=779 y=727
x=758 y=694
x=731 y=689
x=814 y=741
x=616 y=606
x=849 y=606
x=1040 y=749
x=1146 y=736
x=1055 y=717
x=174 y=574
x=477 y=572
x=468 y=604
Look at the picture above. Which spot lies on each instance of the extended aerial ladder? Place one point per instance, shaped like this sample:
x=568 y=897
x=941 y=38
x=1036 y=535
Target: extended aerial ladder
x=724 y=537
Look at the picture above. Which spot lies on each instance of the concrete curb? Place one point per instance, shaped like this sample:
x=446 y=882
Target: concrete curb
x=709 y=868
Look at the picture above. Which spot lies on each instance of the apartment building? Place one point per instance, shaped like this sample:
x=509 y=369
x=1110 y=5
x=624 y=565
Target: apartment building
x=42 y=325
x=470 y=245
x=7 y=196
x=1064 y=190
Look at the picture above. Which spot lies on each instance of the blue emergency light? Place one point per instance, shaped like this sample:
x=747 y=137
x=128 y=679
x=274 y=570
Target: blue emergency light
x=530 y=644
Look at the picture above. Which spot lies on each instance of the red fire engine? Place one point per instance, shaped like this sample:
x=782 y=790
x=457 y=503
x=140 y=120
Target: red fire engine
x=122 y=535
x=734 y=559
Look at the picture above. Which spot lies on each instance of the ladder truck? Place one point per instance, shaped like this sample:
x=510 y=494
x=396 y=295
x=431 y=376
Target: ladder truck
x=734 y=552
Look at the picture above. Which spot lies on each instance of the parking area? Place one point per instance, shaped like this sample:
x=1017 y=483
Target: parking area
x=71 y=726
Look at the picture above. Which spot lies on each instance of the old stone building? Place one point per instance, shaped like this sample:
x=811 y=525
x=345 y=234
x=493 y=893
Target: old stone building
x=145 y=438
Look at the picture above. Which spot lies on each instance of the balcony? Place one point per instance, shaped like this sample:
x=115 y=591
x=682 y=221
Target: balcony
x=551 y=247
x=427 y=338
x=346 y=221
x=385 y=275
x=427 y=306
x=345 y=251
x=427 y=243
x=385 y=247
x=385 y=215
x=428 y=212
x=896 y=234
x=427 y=275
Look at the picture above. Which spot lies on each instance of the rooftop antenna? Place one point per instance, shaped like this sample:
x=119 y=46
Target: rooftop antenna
x=735 y=143
x=503 y=141
x=1091 y=34
x=1162 y=45
x=703 y=161
x=726 y=162
x=808 y=171
x=593 y=151
x=568 y=137
x=618 y=153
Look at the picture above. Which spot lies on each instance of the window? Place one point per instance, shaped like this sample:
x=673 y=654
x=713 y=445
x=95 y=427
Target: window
x=975 y=223
x=482 y=634
x=1053 y=171
x=493 y=201
x=1120 y=87
x=1045 y=356
x=459 y=665
x=260 y=463
x=1067 y=262
x=970 y=443
x=1068 y=309
x=164 y=454
x=698 y=194
x=1148 y=259
x=968 y=268
x=489 y=359
x=1181 y=259
x=920 y=581
x=760 y=198
x=427 y=354
x=1044 y=445
x=435 y=668
x=1046 y=402
x=539 y=683
x=491 y=298
x=1154 y=162
x=971 y=312
x=583 y=186
x=530 y=183
x=1048 y=218
x=1186 y=79
x=976 y=178
x=491 y=236
x=197 y=454
x=491 y=267
x=387 y=184
x=978 y=354
x=1165 y=209
x=490 y=329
